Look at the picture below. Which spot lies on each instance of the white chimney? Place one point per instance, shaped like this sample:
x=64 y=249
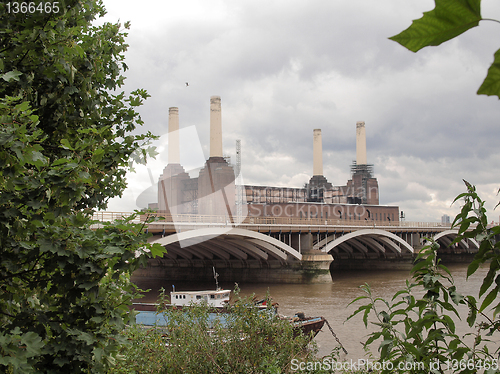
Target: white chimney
x=317 y=153
x=360 y=143
x=173 y=136
x=215 y=127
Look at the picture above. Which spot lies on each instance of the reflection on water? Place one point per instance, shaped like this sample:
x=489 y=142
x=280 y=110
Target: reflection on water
x=328 y=300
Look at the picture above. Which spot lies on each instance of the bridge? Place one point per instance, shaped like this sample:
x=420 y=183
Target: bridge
x=286 y=249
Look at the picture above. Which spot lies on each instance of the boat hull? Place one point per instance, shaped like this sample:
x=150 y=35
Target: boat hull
x=147 y=315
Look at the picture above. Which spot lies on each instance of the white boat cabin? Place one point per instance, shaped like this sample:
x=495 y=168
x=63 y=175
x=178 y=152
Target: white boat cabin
x=216 y=298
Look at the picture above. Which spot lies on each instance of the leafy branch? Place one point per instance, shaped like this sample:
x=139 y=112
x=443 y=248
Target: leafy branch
x=431 y=337
x=449 y=19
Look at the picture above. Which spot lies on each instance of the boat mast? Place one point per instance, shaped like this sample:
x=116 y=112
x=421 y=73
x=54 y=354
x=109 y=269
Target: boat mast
x=215 y=277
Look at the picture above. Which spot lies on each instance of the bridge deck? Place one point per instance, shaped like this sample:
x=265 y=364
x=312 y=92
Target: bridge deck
x=170 y=224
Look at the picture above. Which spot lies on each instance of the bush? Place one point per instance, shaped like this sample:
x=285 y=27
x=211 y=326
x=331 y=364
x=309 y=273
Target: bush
x=197 y=340
x=417 y=333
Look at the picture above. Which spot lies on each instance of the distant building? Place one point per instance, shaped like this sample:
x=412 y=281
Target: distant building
x=445 y=219
x=213 y=191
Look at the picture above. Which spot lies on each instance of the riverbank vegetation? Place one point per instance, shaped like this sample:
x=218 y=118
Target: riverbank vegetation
x=417 y=328
x=246 y=339
x=197 y=339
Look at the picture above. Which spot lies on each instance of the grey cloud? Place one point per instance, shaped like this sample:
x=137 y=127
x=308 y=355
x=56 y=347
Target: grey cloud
x=285 y=68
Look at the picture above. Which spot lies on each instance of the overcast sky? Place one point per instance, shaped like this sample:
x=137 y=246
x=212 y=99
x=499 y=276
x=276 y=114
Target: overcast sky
x=283 y=68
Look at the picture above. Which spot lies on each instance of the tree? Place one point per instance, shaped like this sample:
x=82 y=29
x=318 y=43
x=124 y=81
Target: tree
x=66 y=146
x=446 y=21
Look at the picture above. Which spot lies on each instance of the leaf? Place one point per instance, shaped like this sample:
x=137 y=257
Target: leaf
x=385 y=347
x=374 y=336
x=33 y=343
x=397 y=312
x=449 y=308
x=36 y=158
x=455 y=296
x=444 y=268
x=85 y=337
x=471 y=317
x=22 y=107
x=449 y=322
x=447 y=20
x=12 y=75
x=420 y=265
x=70 y=90
x=60 y=161
x=400 y=292
x=157 y=250
x=66 y=145
x=491 y=84
x=365 y=316
x=473 y=266
x=487 y=281
x=366 y=308
x=97 y=155
x=489 y=299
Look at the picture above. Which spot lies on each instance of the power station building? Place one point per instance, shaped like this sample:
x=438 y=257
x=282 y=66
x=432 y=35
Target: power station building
x=215 y=192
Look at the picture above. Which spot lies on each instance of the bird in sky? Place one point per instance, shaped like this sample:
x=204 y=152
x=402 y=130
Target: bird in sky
x=187 y=84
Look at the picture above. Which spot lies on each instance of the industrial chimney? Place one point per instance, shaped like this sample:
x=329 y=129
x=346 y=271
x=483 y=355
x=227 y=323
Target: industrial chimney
x=318 y=184
x=215 y=127
x=173 y=136
x=363 y=187
x=317 y=153
x=172 y=180
x=216 y=186
x=360 y=143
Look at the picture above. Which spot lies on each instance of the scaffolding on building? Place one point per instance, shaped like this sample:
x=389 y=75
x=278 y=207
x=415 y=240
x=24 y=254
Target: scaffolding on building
x=366 y=172
x=239 y=180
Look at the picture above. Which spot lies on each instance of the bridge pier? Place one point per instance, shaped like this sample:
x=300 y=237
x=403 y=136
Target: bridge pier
x=388 y=263
x=314 y=268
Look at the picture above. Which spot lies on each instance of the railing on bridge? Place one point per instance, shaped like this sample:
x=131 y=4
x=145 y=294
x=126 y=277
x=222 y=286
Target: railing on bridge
x=180 y=219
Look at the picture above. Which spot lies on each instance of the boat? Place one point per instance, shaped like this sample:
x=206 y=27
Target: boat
x=308 y=325
x=214 y=299
x=148 y=315
x=218 y=301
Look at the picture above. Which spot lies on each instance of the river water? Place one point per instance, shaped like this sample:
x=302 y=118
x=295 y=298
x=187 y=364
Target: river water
x=330 y=300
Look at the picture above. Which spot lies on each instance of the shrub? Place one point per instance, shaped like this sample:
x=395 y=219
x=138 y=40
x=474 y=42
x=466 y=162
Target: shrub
x=198 y=340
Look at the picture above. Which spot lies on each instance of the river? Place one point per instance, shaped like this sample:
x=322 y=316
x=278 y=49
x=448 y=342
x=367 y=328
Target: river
x=329 y=300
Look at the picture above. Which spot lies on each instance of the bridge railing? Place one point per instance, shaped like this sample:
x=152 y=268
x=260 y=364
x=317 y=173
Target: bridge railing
x=196 y=219
x=105 y=216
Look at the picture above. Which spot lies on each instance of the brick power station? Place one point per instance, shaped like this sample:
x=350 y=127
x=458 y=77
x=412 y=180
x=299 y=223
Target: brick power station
x=215 y=192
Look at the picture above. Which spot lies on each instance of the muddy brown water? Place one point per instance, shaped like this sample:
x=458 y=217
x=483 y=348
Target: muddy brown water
x=330 y=300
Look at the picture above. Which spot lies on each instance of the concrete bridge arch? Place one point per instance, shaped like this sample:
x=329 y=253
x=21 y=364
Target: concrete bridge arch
x=445 y=238
x=367 y=243
x=227 y=245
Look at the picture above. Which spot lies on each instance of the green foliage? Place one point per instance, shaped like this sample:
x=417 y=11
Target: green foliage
x=447 y=20
x=473 y=217
x=65 y=149
x=197 y=340
x=418 y=324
